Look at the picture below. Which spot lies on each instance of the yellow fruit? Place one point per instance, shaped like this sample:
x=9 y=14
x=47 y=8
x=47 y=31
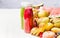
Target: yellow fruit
x=43 y=20
x=56 y=22
x=40 y=30
x=51 y=20
x=35 y=13
x=41 y=25
x=34 y=33
x=33 y=30
x=49 y=26
x=55 y=29
x=39 y=21
x=58 y=36
x=43 y=13
x=35 y=19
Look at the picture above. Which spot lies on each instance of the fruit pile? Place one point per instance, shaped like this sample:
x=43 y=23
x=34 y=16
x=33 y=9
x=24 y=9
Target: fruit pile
x=42 y=22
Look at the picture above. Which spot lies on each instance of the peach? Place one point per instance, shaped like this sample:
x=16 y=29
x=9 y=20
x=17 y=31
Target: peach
x=48 y=34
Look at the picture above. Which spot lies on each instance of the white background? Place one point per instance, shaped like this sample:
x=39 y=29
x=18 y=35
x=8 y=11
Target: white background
x=10 y=25
x=16 y=3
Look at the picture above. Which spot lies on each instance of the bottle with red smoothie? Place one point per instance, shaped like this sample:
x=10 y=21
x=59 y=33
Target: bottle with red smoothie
x=28 y=18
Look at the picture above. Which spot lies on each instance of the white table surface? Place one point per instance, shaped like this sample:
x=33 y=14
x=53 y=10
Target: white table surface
x=10 y=24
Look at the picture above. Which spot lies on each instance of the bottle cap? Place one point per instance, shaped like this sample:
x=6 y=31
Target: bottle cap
x=25 y=4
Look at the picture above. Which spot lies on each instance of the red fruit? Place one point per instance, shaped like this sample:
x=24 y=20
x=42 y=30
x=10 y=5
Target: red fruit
x=48 y=34
x=41 y=33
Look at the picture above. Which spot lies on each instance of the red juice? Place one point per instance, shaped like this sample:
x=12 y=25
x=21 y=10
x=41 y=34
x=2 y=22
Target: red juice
x=28 y=19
